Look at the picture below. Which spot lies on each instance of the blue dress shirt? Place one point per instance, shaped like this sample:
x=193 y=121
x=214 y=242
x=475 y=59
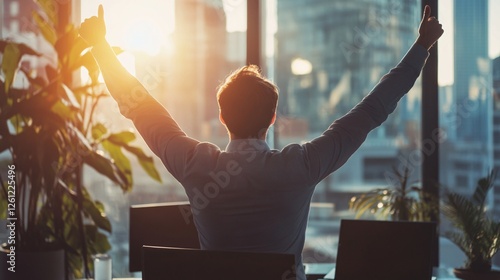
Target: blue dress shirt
x=251 y=198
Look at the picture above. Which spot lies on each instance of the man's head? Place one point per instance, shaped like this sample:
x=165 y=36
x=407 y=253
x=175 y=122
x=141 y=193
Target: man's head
x=247 y=103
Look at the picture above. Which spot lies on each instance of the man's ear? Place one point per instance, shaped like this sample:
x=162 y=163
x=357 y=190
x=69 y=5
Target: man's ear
x=273 y=119
x=221 y=119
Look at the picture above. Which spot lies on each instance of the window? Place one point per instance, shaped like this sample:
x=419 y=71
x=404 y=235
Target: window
x=328 y=56
x=374 y=168
x=181 y=51
x=468 y=81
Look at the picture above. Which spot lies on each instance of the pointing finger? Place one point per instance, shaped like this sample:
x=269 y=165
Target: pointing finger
x=427 y=12
x=100 y=12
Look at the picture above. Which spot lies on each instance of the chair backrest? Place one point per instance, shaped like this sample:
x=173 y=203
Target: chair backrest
x=163 y=263
x=385 y=250
x=160 y=224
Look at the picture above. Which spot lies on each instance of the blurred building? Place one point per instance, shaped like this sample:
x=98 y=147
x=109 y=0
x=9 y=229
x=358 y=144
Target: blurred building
x=339 y=51
x=199 y=64
x=17 y=17
x=472 y=69
x=349 y=45
x=467 y=155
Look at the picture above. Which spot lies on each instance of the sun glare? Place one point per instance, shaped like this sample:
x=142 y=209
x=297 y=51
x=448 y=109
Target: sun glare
x=236 y=14
x=145 y=36
x=136 y=26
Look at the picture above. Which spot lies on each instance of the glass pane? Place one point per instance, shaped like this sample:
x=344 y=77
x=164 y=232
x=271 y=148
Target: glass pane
x=469 y=83
x=180 y=51
x=328 y=56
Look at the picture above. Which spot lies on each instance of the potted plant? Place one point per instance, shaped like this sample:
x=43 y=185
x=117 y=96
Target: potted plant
x=403 y=201
x=49 y=129
x=474 y=230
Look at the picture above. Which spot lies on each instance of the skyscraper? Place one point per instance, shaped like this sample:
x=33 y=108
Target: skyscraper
x=199 y=61
x=16 y=17
x=346 y=46
x=466 y=156
x=472 y=69
x=350 y=45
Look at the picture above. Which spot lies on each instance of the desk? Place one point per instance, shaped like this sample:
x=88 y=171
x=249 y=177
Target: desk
x=437 y=274
x=326 y=271
x=314 y=271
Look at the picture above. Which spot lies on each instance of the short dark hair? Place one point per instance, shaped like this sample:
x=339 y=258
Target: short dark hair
x=247 y=102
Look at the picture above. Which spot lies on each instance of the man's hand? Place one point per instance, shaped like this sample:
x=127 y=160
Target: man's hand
x=93 y=30
x=430 y=29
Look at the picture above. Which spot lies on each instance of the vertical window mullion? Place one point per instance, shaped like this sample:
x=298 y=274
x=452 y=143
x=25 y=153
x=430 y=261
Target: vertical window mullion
x=253 y=32
x=430 y=124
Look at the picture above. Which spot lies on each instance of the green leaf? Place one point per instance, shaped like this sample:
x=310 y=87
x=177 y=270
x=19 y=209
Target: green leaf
x=76 y=264
x=99 y=205
x=49 y=7
x=101 y=243
x=37 y=82
x=122 y=138
x=98 y=130
x=75 y=54
x=26 y=50
x=63 y=111
x=72 y=233
x=23 y=48
x=37 y=107
x=98 y=216
x=10 y=63
x=482 y=188
x=80 y=139
x=46 y=29
x=104 y=166
x=64 y=44
x=145 y=161
x=119 y=159
x=87 y=60
x=69 y=96
x=97 y=241
x=370 y=201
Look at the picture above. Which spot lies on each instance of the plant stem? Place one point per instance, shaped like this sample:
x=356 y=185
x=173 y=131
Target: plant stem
x=83 y=239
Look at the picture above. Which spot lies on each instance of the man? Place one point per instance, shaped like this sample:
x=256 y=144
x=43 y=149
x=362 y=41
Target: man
x=249 y=197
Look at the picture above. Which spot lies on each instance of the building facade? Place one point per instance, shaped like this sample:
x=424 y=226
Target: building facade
x=472 y=68
x=348 y=46
x=467 y=116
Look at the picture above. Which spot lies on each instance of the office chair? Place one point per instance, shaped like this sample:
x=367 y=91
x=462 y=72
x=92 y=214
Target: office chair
x=163 y=263
x=160 y=224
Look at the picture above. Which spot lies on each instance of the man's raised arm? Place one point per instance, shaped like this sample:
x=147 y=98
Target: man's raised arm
x=332 y=149
x=154 y=123
x=123 y=86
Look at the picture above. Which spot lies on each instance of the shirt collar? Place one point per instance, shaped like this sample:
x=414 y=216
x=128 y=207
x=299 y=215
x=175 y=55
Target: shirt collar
x=247 y=145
